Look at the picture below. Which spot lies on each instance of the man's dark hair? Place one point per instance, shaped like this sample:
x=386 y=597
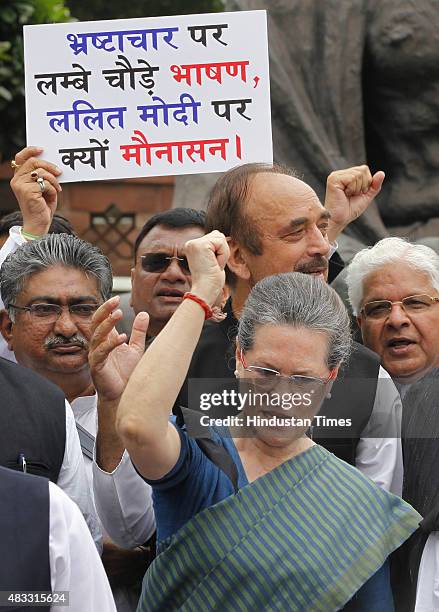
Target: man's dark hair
x=59 y=225
x=174 y=219
x=227 y=211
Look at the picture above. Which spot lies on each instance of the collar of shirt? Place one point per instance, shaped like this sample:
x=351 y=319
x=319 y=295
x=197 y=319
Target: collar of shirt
x=85 y=411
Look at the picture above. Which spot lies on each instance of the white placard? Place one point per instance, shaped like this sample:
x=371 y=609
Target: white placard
x=149 y=97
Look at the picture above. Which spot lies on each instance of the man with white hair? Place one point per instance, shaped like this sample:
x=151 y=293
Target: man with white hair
x=407 y=336
x=394 y=293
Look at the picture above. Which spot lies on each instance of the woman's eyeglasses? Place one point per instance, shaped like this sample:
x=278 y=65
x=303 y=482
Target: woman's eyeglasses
x=159 y=262
x=268 y=378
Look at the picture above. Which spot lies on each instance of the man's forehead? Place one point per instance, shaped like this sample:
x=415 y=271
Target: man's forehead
x=62 y=281
x=391 y=282
x=281 y=196
x=162 y=238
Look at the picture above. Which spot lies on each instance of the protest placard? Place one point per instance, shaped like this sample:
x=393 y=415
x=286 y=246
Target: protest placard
x=149 y=97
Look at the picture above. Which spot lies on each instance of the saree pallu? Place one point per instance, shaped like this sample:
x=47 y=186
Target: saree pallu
x=304 y=537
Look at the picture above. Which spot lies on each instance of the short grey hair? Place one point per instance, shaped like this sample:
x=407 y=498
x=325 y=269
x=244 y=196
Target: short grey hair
x=52 y=250
x=302 y=301
x=387 y=251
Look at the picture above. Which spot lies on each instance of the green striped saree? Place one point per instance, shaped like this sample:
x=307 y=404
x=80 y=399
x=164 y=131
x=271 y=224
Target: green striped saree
x=305 y=536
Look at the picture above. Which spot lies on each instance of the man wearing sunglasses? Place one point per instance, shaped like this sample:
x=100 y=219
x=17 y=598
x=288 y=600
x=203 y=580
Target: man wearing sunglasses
x=160 y=276
x=394 y=293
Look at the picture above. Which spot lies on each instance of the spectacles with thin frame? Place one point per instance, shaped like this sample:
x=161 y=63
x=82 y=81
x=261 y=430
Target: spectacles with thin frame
x=412 y=304
x=159 y=262
x=269 y=378
x=49 y=313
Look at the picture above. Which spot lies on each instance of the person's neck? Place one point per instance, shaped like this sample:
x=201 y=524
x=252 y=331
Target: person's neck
x=259 y=458
x=413 y=378
x=239 y=294
x=154 y=328
x=74 y=385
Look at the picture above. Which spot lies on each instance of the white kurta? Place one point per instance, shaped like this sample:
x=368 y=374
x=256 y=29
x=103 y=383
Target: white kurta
x=114 y=515
x=73 y=481
x=75 y=565
x=123 y=499
x=427 y=593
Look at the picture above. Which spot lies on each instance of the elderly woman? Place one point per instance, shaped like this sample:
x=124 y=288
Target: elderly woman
x=284 y=525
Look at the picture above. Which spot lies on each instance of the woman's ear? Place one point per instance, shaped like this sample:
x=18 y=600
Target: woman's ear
x=238 y=364
x=333 y=373
x=331 y=378
x=237 y=261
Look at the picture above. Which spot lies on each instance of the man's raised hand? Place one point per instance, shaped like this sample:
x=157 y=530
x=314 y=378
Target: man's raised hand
x=207 y=257
x=37 y=206
x=111 y=359
x=348 y=194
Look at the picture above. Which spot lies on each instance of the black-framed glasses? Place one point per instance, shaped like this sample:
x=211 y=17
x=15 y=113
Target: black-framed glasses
x=159 y=262
x=412 y=304
x=267 y=378
x=49 y=313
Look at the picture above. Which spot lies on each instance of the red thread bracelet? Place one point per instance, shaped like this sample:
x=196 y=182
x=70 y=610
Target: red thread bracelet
x=204 y=305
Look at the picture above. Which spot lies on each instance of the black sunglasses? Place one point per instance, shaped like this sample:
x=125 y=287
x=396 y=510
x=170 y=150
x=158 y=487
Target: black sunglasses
x=159 y=262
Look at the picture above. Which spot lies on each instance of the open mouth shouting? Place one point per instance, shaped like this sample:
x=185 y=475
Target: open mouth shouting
x=400 y=345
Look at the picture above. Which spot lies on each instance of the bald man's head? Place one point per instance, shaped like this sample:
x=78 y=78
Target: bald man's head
x=227 y=206
x=275 y=218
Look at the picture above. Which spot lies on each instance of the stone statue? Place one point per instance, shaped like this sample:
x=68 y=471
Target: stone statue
x=357 y=81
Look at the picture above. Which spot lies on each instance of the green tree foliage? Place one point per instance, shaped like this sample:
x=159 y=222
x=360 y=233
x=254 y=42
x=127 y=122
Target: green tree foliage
x=121 y=9
x=14 y=14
